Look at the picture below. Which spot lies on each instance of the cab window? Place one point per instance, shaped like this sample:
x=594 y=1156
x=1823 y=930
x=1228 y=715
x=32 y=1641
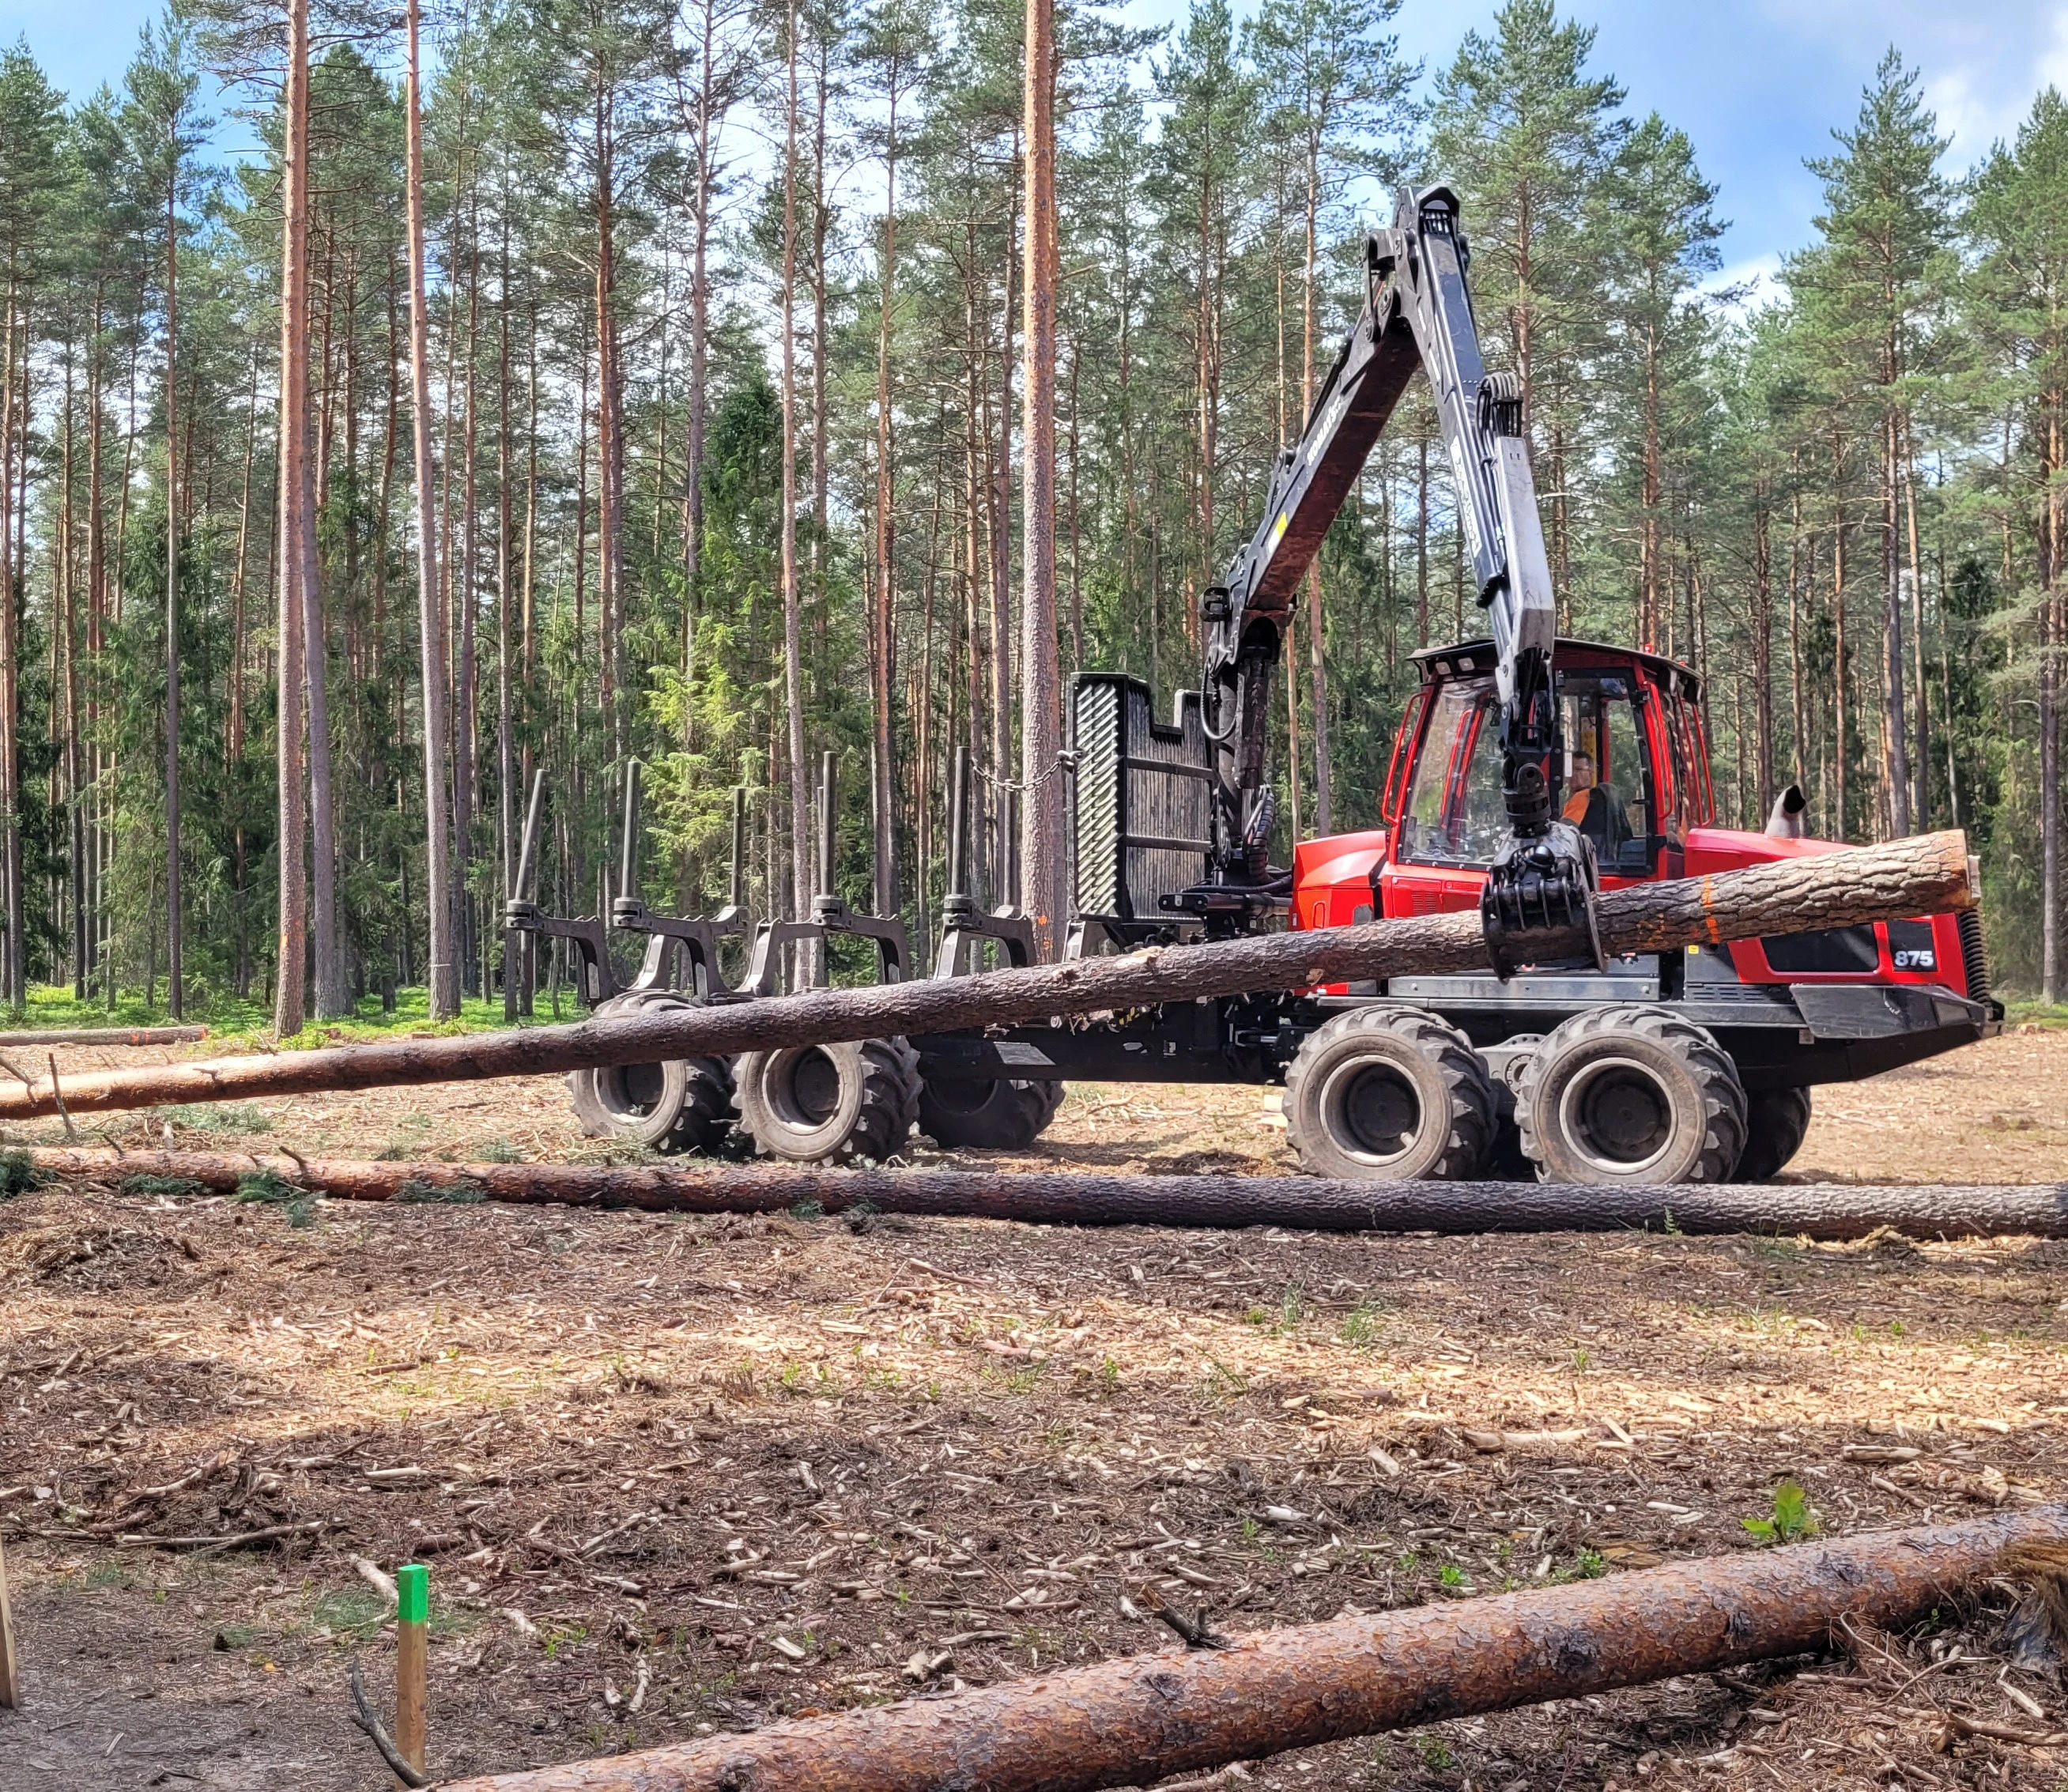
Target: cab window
x=1455 y=815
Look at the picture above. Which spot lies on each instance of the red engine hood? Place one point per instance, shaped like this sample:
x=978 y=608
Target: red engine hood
x=1331 y=878
x=1730 y=848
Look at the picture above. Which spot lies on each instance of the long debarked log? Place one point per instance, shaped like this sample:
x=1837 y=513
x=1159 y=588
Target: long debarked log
x=106 y=1036
x=1919 y=876
x=1815 y=1210
x=1135 y=1720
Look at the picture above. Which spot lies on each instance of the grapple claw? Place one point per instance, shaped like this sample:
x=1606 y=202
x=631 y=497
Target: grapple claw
x=1538 y=905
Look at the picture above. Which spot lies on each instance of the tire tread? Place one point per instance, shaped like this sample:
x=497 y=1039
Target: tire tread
x=1472 y=1117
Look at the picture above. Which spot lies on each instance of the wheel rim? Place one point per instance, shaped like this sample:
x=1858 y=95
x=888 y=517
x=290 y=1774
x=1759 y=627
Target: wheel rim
x=805 y=1088
x=1372 y=1111
x=631 y=1091
x=961 y=1097
x=1618 y=1115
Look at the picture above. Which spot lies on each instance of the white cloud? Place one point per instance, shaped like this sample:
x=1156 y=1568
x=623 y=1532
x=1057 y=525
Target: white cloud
x=1982 y=100
x=1750 y=283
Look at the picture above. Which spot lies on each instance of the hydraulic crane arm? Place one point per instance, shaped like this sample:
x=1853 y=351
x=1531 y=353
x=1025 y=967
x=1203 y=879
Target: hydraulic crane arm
x=1416 y=313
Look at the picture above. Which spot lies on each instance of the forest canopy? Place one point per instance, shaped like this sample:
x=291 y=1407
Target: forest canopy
x=694 y=268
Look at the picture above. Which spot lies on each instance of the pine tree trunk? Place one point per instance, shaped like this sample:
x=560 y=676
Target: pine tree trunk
x=801 y=881
x=290 y=1003
x=1317 y=633
x=175 y=918
x=443 y=970
x=883 y=635
x=1000 y=517
x=610 y=430
x=2054 y=544
x=331 y=1001
x=1895 y=711
x=702 y=176
x=1041 y=884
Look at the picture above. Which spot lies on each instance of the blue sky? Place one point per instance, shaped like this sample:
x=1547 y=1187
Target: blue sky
x=1757 y=84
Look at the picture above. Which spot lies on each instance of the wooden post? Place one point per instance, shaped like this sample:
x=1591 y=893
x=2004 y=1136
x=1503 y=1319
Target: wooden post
x=10 y=1668
x=413 y=1601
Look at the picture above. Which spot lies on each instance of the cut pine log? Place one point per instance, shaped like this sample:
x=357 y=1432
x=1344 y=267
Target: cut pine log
x=1923 y=875
x=1135 y=1720
x=1066 y=1197
x=106 y=1036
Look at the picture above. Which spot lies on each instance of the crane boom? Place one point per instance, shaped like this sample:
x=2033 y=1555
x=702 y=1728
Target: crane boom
x=1416 y=313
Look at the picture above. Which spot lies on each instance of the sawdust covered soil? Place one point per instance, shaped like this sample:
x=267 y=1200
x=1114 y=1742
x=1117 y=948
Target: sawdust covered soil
x=677 y=1475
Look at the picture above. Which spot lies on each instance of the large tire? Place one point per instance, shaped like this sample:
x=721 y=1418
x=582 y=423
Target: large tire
x=986 y=1114
x=1389 y=1094
x=1631 y=1095
x=829 y=1104
x=677 y=1105
x=1776 y=1120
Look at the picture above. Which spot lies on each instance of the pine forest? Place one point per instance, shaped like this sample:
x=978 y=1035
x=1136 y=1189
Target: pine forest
x=394 y=409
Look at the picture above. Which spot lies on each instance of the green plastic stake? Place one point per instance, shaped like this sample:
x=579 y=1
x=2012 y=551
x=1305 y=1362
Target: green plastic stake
x=413 y=1593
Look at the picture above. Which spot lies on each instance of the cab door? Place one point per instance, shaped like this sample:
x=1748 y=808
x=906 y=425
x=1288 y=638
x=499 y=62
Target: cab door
x=1452 y=818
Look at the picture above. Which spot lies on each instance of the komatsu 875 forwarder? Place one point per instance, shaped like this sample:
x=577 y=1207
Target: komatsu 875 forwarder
x=1526 y=771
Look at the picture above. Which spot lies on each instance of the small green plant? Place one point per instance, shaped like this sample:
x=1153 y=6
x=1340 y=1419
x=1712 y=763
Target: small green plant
x=501 y=1151
x=459 y=1192
x=147 y=1187
x=18 y=1174
x=807 y=1209
x=1292 y=1306
x=1360 y=1326
x=1582 y=1360
x=566 y=1637
x=1257 y=1316
x=1219 y=1377
x=861 y=1218
x=1109 y=1375
x=1794 y=1516
x=1590 y=1566
x=1436 y=1754
x=1452 y=1575
x=264 y=1186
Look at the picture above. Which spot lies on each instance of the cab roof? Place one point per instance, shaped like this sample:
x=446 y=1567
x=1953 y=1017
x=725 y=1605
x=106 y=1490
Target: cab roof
x=1438 y=663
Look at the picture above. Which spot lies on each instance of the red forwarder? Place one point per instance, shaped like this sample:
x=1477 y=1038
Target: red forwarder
x=1528 y=771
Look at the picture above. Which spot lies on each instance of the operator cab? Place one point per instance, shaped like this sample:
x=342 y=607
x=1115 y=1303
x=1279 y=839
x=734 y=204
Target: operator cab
x=1632 y=775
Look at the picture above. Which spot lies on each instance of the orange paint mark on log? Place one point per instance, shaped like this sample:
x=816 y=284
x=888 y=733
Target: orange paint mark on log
x=1708 y=906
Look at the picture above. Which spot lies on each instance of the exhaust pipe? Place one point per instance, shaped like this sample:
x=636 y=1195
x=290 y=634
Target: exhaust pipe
x=1785 y=822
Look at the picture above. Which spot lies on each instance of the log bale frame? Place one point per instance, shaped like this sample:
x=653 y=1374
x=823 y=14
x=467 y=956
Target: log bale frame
x=1139 y=1719
x=1311 y=1203
x=1925 y=874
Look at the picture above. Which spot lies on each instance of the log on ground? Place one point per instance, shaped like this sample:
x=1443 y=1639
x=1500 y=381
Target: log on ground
x=1138 y=1720
x=107 y=1036
x=1923 y=875
x=1312 y=1204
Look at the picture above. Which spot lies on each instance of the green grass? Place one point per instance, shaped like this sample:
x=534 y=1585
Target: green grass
x=238 y=1024
x=2036 y=1014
